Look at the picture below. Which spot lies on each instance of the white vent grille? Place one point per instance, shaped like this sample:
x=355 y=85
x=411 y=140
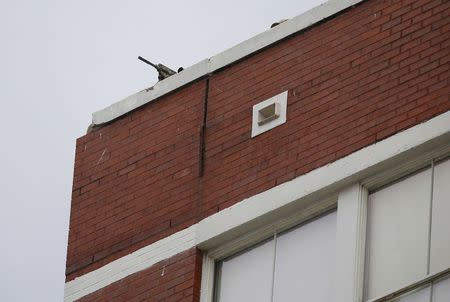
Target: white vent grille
x=269 y=114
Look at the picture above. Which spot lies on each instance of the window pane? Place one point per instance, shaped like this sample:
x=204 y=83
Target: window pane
x=422 y=295
x=397 y=234
x=441 y=291
x=305 y=262
x=248 y=276
x=440 y=230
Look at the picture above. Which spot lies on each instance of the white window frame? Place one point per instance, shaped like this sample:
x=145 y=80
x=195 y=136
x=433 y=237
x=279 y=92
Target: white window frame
x=271 y=230
x=431 y=276
x=351 y=202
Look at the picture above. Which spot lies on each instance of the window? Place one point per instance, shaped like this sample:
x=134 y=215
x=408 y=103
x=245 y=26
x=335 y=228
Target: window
x=305 y=260
x=388 y=240
x=408 y=240
x=439 y=291
x=296 y=264
x=247 y=276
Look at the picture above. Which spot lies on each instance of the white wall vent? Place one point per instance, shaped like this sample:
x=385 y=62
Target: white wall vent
x=269 y=114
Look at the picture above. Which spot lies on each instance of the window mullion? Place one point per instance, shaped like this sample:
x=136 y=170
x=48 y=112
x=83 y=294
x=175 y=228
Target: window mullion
x=430 y=219
x=273 y=265
x=430 y=223
x=208 y=280
x=350 y=241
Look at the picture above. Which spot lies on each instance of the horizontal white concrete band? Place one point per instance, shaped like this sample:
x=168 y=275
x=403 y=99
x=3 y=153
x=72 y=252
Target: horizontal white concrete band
x=236 y=220
x=130 y=264
x=222 y=59
x=340 y=172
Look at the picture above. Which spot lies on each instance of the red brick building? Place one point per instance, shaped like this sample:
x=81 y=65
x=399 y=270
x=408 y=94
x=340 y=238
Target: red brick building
x=309 y=162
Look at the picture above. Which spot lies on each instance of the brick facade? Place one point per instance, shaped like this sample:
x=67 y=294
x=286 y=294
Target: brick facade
x=357 y=78
x=175 y=279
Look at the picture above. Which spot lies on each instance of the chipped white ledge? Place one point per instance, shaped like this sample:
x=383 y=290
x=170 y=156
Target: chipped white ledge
x=234 y=221
x=222 y=59
x=130 y=264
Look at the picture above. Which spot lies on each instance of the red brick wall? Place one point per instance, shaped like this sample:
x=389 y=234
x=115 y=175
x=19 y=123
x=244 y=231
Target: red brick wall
x=374 y=70
x=354 y=80
x=173 y=280
x=135 y=180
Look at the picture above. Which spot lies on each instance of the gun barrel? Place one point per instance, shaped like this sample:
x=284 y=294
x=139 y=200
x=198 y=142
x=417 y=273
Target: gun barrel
x=147 y=62
x=163 y=71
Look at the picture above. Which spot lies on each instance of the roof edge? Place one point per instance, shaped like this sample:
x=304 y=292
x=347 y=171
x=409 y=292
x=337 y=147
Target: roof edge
x=222 y=59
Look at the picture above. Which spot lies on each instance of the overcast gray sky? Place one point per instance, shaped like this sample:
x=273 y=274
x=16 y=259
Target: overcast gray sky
x=59 y=62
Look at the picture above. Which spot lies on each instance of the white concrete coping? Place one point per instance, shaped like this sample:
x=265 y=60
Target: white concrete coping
x=222 y=59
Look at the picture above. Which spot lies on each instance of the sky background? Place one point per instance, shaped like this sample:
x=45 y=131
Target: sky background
x=59 y=62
